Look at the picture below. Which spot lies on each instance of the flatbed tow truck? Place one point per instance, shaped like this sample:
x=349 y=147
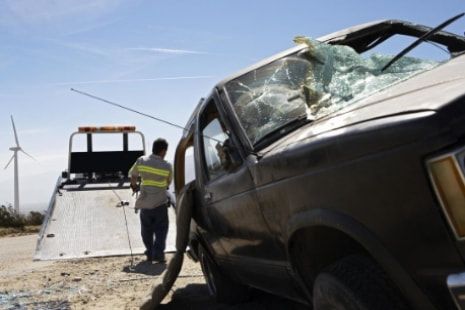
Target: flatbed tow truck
x=91 y=212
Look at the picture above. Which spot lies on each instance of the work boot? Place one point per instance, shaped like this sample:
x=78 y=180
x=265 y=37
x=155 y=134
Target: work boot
x=148 y=257
x=160 y=259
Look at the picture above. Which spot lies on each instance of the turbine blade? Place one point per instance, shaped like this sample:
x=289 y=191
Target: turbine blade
x=21 y=150
x=14 y=130
x=9 y=162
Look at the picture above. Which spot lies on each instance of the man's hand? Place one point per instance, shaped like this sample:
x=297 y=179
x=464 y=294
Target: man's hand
x=135 y=188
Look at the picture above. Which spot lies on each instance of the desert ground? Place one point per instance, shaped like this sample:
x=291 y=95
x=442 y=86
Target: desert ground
x=102 y=283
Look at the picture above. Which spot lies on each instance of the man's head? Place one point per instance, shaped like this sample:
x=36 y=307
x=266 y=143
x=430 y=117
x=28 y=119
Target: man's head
x=159 y=147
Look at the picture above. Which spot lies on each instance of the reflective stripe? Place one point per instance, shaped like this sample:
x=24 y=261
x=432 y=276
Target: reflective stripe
x=148 y=169
x=162 y=184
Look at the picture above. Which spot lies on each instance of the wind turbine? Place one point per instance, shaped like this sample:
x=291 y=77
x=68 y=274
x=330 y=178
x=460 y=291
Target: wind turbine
x=15 y=150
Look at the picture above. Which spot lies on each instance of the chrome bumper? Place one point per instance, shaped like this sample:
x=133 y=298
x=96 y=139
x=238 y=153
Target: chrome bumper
x=456 y=285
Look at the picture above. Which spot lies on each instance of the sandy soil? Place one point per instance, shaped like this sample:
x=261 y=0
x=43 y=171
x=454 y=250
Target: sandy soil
x=101 y=283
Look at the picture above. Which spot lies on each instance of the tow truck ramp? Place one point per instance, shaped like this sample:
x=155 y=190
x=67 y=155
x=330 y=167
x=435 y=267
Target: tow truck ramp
x=89 y=221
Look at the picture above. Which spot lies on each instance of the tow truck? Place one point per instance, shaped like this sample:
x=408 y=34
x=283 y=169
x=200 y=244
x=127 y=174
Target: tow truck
x=91 y=212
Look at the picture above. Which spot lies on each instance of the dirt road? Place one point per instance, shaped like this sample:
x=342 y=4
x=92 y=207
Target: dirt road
x=101 y=283
x=16 y=256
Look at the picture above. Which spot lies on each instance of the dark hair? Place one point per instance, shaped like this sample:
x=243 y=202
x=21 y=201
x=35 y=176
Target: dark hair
x=159 y=145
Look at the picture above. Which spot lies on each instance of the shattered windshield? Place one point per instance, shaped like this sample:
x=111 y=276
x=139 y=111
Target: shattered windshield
x=314 y=82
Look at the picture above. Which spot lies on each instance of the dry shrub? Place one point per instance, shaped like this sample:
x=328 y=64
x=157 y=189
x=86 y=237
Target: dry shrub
x=9 y=218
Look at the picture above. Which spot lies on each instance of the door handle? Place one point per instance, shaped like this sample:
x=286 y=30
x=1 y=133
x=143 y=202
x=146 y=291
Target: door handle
x=207 y=196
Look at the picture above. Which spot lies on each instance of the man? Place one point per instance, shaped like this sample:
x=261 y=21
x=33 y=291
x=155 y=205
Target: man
x=156 y=175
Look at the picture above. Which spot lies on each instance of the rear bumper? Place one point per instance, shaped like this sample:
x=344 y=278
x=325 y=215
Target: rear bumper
x=456 y=285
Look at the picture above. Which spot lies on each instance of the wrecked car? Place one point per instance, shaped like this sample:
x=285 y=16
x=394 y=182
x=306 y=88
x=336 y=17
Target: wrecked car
x=332 y=176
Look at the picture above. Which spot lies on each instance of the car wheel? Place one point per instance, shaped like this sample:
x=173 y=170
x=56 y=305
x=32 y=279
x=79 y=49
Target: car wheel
x=224 y=289
x=355 y=283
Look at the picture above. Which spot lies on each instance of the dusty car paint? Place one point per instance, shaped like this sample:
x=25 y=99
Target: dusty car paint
x=355 y=176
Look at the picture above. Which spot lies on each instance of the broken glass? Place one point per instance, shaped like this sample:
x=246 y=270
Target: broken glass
x=315 y=82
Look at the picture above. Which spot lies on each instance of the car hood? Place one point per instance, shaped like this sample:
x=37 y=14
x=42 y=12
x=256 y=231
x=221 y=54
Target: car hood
x=428 y=91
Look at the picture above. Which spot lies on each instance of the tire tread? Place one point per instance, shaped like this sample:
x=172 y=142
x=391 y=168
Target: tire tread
x=366 y=281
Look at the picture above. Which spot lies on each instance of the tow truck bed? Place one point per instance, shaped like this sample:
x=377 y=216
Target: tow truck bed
x=89 y=221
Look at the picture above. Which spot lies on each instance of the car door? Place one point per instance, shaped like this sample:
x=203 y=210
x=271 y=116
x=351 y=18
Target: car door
x=237 y=232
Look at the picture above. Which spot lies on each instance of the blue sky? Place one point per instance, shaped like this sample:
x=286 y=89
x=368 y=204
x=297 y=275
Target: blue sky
x=159 y=57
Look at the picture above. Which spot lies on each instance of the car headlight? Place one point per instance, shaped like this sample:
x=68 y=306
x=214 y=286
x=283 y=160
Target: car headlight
x=447 y=175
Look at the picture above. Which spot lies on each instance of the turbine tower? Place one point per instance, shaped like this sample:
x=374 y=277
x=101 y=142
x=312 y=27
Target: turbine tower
x=15 y=150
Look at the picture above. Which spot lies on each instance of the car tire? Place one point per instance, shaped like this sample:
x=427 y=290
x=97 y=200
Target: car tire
x=355 y=283
x=224 y=289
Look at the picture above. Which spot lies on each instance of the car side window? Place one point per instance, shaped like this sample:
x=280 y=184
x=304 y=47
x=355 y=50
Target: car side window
x=217 y=145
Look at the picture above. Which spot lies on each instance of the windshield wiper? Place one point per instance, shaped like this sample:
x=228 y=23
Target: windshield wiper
x=285 y=128
x=421 y=39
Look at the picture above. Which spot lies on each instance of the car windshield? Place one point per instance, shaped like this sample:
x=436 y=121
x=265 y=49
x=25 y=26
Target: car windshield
x=316 y=81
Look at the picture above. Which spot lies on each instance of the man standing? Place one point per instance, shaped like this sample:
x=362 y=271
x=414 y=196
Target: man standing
x=156 y=175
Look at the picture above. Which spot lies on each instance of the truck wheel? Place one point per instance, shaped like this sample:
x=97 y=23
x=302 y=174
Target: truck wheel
x=355 y=283
x=224 y=289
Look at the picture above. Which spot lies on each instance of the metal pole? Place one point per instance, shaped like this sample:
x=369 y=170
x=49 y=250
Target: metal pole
x=16 y=202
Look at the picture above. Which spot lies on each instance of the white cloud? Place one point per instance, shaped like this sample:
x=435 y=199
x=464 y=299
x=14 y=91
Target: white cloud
x=135 y=80
x=158 y=50
x=85 y=48
x=90 y=27
x=38 y=11
x=128 y=55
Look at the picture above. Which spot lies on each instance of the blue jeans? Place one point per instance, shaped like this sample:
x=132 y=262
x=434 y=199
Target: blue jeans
x=154 y=222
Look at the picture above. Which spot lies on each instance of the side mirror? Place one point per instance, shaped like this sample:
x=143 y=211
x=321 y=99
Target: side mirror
x=64 y=174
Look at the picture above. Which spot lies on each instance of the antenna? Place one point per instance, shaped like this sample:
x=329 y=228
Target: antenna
x=137 y=112
x=127 y=108
x=14 y=158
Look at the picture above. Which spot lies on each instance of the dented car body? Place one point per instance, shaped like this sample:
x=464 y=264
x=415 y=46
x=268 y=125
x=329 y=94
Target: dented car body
x=315 y=163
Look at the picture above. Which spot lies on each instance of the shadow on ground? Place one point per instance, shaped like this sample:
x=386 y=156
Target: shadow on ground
x=196 y=297
x=146 y=268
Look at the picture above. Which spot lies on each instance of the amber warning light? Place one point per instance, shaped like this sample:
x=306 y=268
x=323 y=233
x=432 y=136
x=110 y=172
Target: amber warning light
x=91 y=129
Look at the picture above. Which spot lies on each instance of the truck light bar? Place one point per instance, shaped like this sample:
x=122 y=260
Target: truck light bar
x=94 y=129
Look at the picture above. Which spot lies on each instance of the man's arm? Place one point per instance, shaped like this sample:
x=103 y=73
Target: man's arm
x=170 y=176
x=133 y=181
x=134 y=172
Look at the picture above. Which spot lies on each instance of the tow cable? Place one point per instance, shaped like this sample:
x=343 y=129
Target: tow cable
x=124 y=203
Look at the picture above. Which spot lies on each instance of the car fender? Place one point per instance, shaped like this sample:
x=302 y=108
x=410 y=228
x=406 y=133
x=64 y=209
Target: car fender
x=356 y=231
